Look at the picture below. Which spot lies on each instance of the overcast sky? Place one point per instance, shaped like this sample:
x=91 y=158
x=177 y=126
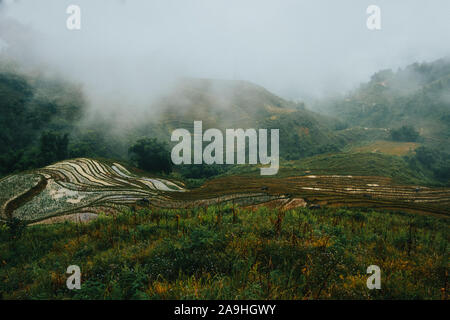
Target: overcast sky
x=294 y=48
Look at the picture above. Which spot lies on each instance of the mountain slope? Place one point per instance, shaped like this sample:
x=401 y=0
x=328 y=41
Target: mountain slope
x=28 y=107
x=226 y=104
x=418 y=96
x=80 y=189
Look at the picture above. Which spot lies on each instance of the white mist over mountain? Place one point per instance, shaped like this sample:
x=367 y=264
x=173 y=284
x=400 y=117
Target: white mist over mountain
x=129 y=51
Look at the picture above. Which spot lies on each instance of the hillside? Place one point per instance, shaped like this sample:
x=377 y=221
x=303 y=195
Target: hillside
x=418 y=96
x=349 y=163
x=29 y=106
x=345 y=197
x=80 y=189
x=44 y=121
x=239 y=104
x=225 y=252
x=32 y=106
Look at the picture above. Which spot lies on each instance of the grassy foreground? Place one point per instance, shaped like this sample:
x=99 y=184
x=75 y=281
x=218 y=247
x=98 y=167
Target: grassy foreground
x=226 y=253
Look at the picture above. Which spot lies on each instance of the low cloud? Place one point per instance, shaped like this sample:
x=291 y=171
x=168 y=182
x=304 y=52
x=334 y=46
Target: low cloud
x=129 y=52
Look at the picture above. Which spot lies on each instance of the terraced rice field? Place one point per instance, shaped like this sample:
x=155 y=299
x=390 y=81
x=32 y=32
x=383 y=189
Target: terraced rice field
x=389 y=147
x=337 y=190
x=75 y=186
x=81 y=188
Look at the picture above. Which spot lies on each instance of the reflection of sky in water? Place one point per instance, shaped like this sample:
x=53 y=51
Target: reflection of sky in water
x=158 y=184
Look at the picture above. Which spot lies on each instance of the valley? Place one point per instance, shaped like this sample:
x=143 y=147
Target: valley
x=362 y=179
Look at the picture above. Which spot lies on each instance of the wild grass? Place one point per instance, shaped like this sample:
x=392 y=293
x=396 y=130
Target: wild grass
x=228 y=252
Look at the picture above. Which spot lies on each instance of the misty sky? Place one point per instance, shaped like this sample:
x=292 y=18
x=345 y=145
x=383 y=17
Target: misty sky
x=297 y=49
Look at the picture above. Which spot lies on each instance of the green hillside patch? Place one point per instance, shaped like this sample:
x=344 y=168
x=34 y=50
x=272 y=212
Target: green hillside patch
x=389 y=147
x=229 y=253
x=416 y=97
x=364 y=164
x=357 y=164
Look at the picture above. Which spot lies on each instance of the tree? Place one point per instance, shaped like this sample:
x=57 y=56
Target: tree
x=53 y=147
x=91 y=144
x=200 y=171
x=151 y=155
x=405 y=133
x=436 y=160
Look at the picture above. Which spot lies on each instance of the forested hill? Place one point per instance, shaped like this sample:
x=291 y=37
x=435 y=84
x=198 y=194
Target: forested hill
x=34 y=110
x=42 y=120
x=416 y=96
x=240 y=104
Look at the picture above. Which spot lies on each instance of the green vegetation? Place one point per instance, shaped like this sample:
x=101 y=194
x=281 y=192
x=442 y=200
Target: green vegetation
x=416 y=96
x=28 y=107
x=139 y=246
x=41 y=123
x=388 y=147
x=53 y=147
x=201 y=171
x=401 y=170
x=434 y=160
x=229 y=253
x=404 y=134
x=151 y=155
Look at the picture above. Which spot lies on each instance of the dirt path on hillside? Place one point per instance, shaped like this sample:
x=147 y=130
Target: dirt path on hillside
x=15 y=203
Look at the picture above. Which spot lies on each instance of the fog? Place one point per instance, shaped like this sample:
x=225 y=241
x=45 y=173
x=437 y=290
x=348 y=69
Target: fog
x=130 y=51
